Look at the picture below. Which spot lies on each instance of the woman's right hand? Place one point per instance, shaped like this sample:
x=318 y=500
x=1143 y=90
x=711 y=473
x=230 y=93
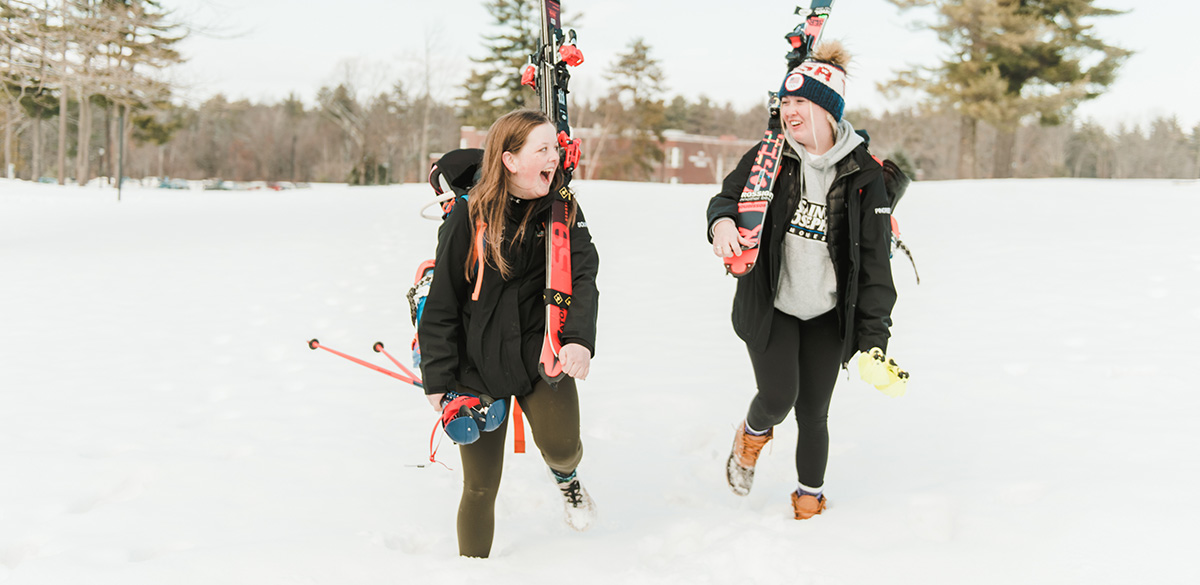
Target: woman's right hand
x=435 y=400
x=727 y=242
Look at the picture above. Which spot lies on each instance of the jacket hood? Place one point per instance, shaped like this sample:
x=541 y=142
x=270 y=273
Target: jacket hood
x=846 y=141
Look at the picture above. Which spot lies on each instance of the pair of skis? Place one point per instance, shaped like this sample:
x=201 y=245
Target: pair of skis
x=547 y=73
x=756 y=195
x=454 y=175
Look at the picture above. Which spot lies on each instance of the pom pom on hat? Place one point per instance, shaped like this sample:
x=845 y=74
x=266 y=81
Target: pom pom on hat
x=821 y=79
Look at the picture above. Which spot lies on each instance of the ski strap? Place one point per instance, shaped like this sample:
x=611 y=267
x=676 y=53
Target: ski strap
x=518 y=428
x=557 y=298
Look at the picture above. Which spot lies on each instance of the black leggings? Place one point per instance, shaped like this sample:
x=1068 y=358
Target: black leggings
x=798 y=371
x=553 y=416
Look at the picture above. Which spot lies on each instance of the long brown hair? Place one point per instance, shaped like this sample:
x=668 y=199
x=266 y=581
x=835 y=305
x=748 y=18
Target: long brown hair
x=489 y=198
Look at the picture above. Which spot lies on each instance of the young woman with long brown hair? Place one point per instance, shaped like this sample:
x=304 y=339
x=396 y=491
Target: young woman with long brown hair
x=485 y=317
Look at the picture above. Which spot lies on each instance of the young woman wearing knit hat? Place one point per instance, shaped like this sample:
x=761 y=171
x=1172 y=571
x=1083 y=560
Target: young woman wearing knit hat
x=822 y=287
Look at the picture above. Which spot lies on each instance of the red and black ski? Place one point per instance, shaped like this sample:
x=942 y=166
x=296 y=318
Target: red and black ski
x=547 y=72
x=756 y=195
x=558 y=284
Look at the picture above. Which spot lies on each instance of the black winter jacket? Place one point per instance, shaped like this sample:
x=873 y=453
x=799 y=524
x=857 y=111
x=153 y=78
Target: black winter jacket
x=859 y=244
x=493 y=345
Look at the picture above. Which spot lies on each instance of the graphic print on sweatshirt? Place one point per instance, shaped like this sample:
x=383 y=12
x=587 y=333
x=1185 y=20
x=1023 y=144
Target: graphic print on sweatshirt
x=810 y=221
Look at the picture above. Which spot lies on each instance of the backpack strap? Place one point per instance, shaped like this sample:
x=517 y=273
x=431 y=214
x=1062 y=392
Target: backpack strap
x=478 y=252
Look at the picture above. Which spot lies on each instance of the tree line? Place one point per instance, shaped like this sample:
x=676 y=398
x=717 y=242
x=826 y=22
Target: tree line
x=1002 y=105
x=926 y=144
x=87 y=64
x=345 y=137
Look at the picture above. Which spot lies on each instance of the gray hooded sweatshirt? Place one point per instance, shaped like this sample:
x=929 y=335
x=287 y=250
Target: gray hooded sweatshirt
x=807 y=285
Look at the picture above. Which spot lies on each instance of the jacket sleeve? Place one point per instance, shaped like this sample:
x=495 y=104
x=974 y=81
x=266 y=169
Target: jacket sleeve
x=724 y=204
x=580 y=326
x=876 y=292
x=440 y=330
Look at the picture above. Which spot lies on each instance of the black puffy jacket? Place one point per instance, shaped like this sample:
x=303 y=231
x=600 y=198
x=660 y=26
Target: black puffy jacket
x=859 y=244
x=493 y=345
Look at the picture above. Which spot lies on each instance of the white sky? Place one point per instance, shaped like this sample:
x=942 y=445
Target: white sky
x=266 y=49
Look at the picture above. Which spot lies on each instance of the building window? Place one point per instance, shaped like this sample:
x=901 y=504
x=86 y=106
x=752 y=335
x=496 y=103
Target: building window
x=676 y=157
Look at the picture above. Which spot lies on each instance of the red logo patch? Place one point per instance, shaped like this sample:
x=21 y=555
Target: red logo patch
x=815 y=70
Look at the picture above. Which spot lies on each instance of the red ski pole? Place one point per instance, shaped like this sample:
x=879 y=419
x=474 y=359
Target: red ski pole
x=314 y=344
x=378 y=347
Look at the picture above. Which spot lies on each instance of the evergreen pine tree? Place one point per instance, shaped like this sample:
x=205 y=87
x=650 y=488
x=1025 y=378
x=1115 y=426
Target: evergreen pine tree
x=1012 y=59
x=494 y=88
x=637 y=82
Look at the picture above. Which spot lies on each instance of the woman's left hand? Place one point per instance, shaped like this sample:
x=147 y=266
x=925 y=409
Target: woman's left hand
x=435 y=400
x=576 y=359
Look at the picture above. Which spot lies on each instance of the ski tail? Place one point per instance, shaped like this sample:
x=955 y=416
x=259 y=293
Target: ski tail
x=900 y=244
x=411 y=378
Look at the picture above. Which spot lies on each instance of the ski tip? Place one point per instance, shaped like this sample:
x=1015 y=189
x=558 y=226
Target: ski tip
x=313 y=344
x=378 y=347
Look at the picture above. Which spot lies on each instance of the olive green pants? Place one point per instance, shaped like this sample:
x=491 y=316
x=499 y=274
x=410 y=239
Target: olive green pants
x=553 y=416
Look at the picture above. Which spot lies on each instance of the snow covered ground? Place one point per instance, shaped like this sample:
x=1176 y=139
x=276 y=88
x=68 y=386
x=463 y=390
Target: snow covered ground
x=162 y=420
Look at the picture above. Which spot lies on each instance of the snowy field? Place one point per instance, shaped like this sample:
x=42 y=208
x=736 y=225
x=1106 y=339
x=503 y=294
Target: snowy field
x=162 y=420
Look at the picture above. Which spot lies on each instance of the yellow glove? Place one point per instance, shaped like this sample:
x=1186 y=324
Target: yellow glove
x=882 y=372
